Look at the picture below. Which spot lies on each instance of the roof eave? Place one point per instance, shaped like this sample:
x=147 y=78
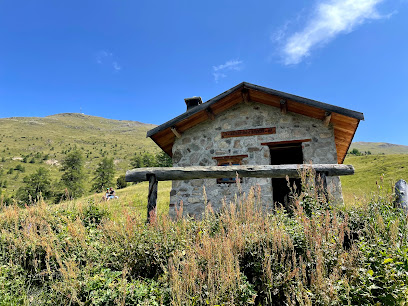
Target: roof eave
x=313 y=103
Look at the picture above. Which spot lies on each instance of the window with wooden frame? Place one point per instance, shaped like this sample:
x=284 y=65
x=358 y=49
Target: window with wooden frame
x=234 y=160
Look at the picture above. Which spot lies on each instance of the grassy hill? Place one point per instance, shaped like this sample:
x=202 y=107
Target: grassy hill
x=379 y=147
x=34 y=142
x=373 y=172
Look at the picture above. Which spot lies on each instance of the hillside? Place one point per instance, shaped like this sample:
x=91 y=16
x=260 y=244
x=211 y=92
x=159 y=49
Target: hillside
x=379 y=147
x=32 y=142
x=373 y=172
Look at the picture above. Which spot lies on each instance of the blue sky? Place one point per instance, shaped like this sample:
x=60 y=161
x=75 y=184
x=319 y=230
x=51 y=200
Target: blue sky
x=138 y=60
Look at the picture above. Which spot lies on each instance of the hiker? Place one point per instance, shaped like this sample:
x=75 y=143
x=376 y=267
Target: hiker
x=111 y=194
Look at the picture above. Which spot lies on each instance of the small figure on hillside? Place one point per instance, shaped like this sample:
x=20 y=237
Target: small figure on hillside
x=111 y=194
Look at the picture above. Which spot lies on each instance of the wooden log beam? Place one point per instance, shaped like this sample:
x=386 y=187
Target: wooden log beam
x=283 y=106
x=175 y=132
x=152 y=197
x=210 y=113
x=327 y=118
x=245 y=95
x=201 y=172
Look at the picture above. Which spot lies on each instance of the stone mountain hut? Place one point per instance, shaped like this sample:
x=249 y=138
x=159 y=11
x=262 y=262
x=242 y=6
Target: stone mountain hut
x=253 y=125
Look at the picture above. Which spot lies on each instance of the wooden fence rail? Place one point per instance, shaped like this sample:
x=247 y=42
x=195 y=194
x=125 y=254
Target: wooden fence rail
x=153 y=175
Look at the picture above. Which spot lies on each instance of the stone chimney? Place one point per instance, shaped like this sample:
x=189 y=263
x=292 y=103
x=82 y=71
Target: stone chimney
x=192 y=102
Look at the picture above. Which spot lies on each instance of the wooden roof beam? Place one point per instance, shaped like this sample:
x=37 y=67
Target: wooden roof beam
x=175 y=132
x=283 y=106
x=210 y=113
x=245 y=95
x=327 y=118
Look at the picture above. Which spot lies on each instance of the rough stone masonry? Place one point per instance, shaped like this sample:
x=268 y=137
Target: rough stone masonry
x=198 y=145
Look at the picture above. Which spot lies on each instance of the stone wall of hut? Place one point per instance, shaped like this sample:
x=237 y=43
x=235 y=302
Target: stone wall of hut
x=199 y=145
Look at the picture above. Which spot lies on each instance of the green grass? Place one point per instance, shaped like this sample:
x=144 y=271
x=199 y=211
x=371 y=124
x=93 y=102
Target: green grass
x=47 y=140
x=133 y=200
x=373 y=172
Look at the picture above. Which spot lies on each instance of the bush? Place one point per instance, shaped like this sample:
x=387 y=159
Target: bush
x=121 y=182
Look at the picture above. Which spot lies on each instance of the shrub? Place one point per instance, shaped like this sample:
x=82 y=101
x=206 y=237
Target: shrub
x=121 y=182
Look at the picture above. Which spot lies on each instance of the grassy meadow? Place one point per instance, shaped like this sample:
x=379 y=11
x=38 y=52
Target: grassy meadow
x=93 y=252
x=373 y=172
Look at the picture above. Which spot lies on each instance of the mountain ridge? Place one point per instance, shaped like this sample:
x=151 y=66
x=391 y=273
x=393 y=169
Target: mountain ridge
x=379 y=147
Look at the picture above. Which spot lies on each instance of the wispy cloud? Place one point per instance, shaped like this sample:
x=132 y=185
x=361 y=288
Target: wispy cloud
x=116 y=66
x=329 y=19
x=220 y=71
x=107 y=58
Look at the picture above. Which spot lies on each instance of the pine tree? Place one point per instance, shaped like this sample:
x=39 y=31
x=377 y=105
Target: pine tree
x=104 y=175
x=36 y=185
x=163 y=160
x=73 y=177
x=149 y=160
x=136 y=161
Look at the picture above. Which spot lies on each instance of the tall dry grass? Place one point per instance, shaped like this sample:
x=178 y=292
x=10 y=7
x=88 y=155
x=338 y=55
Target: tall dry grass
x=80 y=253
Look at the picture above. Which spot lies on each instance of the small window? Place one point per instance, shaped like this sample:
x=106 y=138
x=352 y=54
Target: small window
x=235 y=160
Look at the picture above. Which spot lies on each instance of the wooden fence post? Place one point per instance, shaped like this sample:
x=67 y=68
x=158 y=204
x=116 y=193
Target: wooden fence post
x=152 y=196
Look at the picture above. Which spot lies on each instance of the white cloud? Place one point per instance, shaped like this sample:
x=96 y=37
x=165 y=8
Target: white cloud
x=329 y=19
x=116 y=66
x=219 y=71
x=107 y=58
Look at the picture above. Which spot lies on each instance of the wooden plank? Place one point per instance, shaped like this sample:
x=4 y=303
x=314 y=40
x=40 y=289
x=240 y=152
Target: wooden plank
x=263 y=98
x=278 y=143
x=230 y=157
x=248 y=132
x=199 y=172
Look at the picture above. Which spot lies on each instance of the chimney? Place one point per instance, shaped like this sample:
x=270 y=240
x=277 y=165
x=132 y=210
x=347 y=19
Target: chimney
x=192 y=102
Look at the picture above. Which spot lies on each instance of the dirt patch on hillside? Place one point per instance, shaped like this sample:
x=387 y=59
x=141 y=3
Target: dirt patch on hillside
x=52 y=162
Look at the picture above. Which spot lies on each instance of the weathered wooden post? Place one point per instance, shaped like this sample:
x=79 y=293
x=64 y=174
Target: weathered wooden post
x=152 y=197
x=401 y=200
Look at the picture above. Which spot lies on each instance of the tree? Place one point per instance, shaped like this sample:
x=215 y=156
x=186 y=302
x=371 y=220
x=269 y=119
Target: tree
x=104 y=174
x=136 y=161
x=355 y=152
x=121 y=182
x=73 y=177
x=36 y=185
x=163 y=160
x=149 y=160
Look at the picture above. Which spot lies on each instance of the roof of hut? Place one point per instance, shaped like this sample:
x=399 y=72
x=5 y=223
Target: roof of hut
x=344 y=121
